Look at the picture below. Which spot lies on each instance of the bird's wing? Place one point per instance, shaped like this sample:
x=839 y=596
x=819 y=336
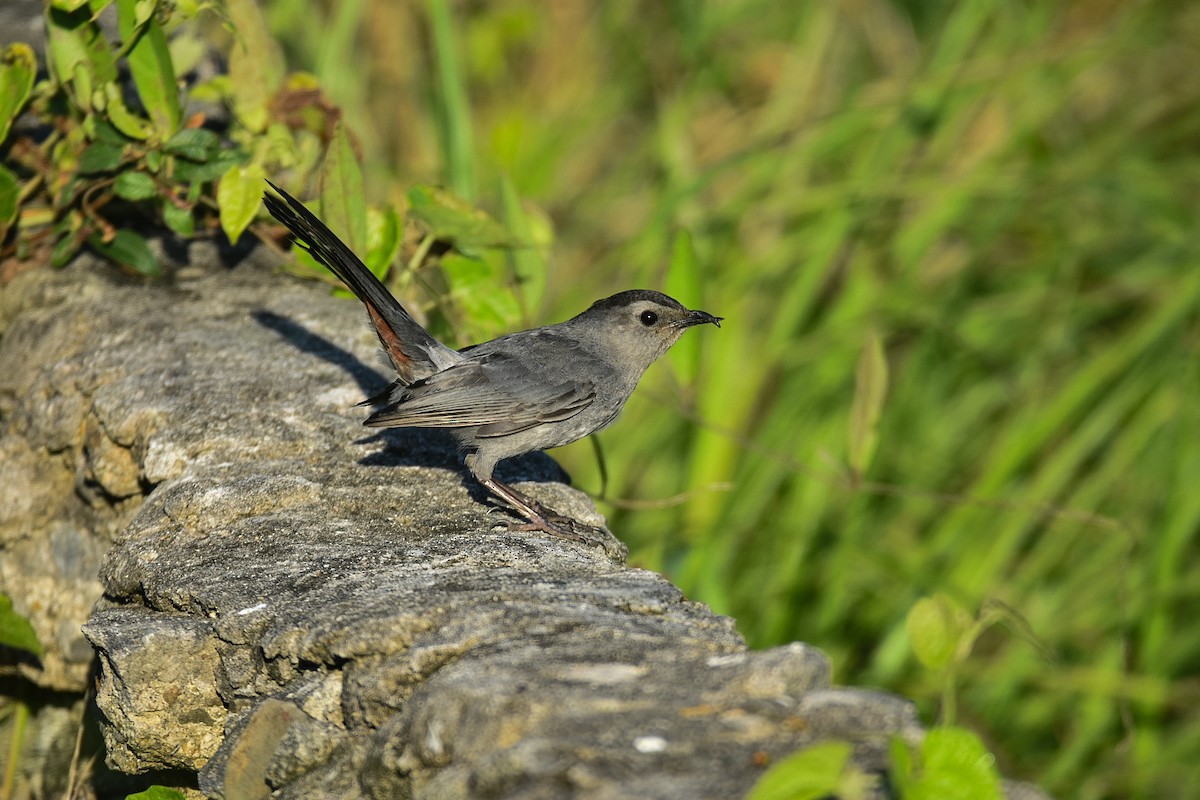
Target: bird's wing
x=497 y=393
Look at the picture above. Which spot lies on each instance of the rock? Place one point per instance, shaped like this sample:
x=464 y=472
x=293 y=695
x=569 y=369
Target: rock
x=298 y=607
x=157 y=689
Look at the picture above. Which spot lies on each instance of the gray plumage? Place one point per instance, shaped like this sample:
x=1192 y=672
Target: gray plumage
x=515 y=394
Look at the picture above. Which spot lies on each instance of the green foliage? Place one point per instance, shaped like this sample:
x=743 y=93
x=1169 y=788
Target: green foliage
x=451 y=108
x=255 y=66
x=157 y=793
x=18 y=66
x=950 y=764
x=238 y=196
x=936 y=626
x=385 y=235
x=109 y=171
x=822 y=770
x=942 y=634
x=129 y=249
x=452 y=219
x=685 y=283
x=105 y=164
x=533 y=234
x=870 y=390
x=342 y=205
x=18 y=722
x=150 y=63
x=15 y=630
x=9 y=193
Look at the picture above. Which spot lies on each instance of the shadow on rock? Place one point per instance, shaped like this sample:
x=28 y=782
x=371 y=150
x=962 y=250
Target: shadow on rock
x=369 y=379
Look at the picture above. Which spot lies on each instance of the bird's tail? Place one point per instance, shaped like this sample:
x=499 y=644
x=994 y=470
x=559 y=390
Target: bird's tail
x=412 y=350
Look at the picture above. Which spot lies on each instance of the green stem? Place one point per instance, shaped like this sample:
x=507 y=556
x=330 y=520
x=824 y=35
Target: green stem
x=20 y=718
x=419 y=254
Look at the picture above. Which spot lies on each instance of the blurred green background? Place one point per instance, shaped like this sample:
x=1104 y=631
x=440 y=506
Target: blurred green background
x=1005 y=193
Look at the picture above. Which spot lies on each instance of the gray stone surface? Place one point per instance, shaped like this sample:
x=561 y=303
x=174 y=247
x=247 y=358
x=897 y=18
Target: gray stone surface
x=295 y=606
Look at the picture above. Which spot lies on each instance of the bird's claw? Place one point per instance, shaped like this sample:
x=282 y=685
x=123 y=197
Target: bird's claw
x=562 y=527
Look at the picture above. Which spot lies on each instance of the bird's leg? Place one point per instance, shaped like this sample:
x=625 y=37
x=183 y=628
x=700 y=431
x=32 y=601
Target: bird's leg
x=539 y=517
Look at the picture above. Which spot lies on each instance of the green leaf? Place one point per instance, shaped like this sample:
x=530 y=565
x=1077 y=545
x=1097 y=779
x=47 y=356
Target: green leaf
x=452 y=219
x=478 y=288
x=81 y=79
x=307 y=266
x=255 y=64
x=94 y=6
x=129 y=250
x=385 y=234
x=180 y=220
x=107 y=133
x=100 y=156
x=121 y=117
x=935 y=626
x=870 y=390
x=194 y=144
x=70 y=239
x=64 y=251
x=955 y=766
x=822 y=770
x=239 y=195
x=343 y=205
x=10 y=191
x=149 y=61
x=77 y=48
x=143 y=10
x=188 y=46
x=902 y=772
x=135 y=186
x=18 y=67
x=528 y=262
x=193 y=172
x=15 y=630
x=157 y=793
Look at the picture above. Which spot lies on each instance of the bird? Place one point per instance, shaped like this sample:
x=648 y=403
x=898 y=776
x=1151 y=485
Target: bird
x=522 y=392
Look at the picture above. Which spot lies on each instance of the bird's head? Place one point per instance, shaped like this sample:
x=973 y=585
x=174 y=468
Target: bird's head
x=639 y=325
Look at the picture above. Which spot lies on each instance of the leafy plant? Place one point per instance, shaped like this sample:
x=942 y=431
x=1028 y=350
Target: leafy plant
x=822 y=770
x=942 y=634
x=97 y=156
x=950 y=764
x=157 y=793
x=105 y=162
x=17 y=633
x=15 y=630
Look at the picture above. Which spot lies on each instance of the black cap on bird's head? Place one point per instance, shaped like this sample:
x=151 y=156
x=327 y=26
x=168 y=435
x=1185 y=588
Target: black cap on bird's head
x=645 y=302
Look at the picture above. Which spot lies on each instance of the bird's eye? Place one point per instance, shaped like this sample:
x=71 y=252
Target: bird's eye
x=648 y=318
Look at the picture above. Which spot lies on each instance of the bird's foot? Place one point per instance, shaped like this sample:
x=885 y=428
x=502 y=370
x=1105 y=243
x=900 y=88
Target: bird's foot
x=538 y=517
x=568 y=528
x=549 y=515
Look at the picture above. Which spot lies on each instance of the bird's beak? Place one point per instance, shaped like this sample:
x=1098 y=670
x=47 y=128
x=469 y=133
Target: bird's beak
x=699 y=318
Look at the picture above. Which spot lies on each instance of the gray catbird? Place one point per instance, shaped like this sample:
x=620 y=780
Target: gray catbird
x=522 y=392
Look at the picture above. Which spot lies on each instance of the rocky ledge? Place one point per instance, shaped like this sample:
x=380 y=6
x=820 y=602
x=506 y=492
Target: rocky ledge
x=291 y=605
